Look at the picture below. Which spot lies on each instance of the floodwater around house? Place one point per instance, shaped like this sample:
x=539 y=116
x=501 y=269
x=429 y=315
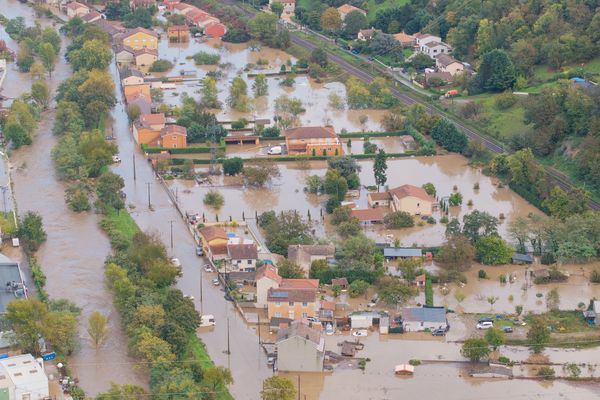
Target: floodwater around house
x=74 y=253
x=234 y=60
x=287 y=193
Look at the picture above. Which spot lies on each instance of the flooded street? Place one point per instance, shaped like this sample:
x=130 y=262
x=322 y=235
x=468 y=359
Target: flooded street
x=235 y=59
x=247 y=361
x=74 y=253
x=443 y=171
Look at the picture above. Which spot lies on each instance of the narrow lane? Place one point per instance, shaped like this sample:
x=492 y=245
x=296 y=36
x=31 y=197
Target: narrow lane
x=247 y=361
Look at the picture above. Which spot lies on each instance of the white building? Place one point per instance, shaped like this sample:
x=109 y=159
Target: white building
x=419 y=319
x=23 y=378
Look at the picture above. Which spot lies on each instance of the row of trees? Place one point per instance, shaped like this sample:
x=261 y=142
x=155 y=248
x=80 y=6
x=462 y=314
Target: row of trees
x=376 y=94
x=34 y=42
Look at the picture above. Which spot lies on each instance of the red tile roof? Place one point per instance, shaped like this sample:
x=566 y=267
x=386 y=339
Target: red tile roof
x=213 y=232
x=369 y=214
x=215 y=30
x=379 y=195
x=130 y=32
x=310 y=132
x=292 y=294
x=152 y=119
x=347 y=8
x=174 y=130
x=411 y=191
x=268 y=271
x=299 y=283
x=242 y=251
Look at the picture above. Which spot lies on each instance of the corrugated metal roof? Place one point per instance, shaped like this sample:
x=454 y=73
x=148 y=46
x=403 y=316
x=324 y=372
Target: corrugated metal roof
x=400 y=252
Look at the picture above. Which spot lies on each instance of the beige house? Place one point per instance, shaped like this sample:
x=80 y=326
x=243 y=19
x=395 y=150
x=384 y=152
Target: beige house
x=412 y=199
x=378 y=199
x=242 y=256
x=125 y=55
x=75 y=9
x=145 y=57
x=300 y=348
x=303 y=255
x=366 y=34
x=447 y=63
x=313 y=141
x=266 y=278
x=292 y=303
x=132 y=77
x=434 y=49
x=289 y=7
x=346 y=9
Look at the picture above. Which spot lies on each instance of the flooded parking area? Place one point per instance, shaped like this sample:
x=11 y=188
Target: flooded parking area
x=287 y=193
x=240 y=59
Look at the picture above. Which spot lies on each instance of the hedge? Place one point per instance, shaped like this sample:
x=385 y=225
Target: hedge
x=350 y=135
x=527 y=195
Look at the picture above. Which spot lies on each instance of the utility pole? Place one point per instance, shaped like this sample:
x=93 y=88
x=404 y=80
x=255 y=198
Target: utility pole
x=258 y=327
x=298 y=387
x=171 y=223
x=148 y=184
x=4 y=189
x=134 y=177
x=201 y=273
x=228 y=348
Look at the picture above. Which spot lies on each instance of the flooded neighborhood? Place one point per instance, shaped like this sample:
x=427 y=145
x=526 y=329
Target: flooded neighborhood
x=227 y=202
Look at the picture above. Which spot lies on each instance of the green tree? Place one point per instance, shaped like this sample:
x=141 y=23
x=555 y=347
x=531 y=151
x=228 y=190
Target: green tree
x=289 y=270
x=553 y=300
x=96 y=152
x=284 y=229
x=263 y=27
x=209 y=93
x=48 y=57
x=352 y=227
x=277 y=9
x=140 y=17
x=496 y=72
x=278 y=387
x=392 y=291
x=428 y=292
x=319 y=56
x=562 y=205
x=124 y=392
x=494 y=337
x=133 y=112
x=313 y=183
x=233 y=166
x=380 y=168
x=317 y=269
x=217 y=378
x=475 y=349
x=538 y=335
x=259 y=174
x=335 y=185
x=493 y=250
x=213 y=199
x=359 y=252
x=456 y=254
x=40 y=92
x=358 y=288
x=49 y=35
x=331 y=20
x=77 y=198
x=430 y=189
x=238 y=94
x=260 y=86
x=94 y=54
x=68 y=119
x=354 y=22
x=31 y=230
x=398 y=220
x=479 y=224
x=108 y=190
x=97 y=328
x=16 y=134
x=448 y=136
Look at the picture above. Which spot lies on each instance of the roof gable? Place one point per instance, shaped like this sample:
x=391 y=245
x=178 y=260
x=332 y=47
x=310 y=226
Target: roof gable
x=310 y=132
x=410 y=191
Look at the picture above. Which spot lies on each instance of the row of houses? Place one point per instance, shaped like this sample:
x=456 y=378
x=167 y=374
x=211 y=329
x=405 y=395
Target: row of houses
x=194 y=16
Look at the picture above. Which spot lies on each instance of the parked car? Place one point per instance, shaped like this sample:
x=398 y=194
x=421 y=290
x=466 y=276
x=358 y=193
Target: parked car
x=176 y=262
x=329 y=330
x=207 y=268
x=271 y=361
x=485 y=319
x=485 y=325
x=355 y=51
x=207 y=320
x=518 y=322
x=438 y=332
x=116 y=159
x=312 y=319
x=216 y=282
x=507 y=329
x=199 y=251
x=360 y=333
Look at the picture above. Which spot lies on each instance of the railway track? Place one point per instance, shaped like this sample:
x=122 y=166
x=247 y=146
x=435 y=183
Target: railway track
x=556 y=177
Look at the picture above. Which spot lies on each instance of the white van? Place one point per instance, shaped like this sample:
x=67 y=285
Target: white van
x=485 y=325
x=207 y=320
x=275 y=150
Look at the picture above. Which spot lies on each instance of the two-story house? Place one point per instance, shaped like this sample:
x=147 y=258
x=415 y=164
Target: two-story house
x=411 y=199
x=242 y=256
x=292 y=303
x=447 y=63
x=313 y=141
x=138 y=38
x=300 y=348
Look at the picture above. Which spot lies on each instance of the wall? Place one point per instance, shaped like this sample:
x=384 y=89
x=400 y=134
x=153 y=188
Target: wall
x=298 y=354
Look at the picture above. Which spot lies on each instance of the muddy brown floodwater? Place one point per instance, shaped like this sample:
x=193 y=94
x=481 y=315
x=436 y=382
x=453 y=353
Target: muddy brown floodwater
x=287 y=193
x=235 y=58
x=74 y=253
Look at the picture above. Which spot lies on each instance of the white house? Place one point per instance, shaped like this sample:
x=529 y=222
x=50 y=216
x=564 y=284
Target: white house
x=418 y=319
x=23 y=378
x=421 y=39
x=242 y=256
x=300 y=348
x=434 y=49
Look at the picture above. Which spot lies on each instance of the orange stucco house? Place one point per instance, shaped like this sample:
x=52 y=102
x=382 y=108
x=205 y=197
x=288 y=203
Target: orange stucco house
x=313 y=141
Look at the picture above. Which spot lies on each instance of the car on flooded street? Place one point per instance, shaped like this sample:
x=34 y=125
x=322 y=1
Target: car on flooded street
x=207 y=268
x=438 y=332
x=116 y=159
x=216 y=282
x=361 y=333
x=507 y=329
x=485 y=325
x=199 y=251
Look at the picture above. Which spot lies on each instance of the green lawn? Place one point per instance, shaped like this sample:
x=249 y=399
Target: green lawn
x=564 y=321
x=373 y=6
x=543 y=73
x=122 y=222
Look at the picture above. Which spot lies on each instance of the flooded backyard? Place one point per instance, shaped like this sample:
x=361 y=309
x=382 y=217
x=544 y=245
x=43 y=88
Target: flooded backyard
x=234 y=61
x=287 y=193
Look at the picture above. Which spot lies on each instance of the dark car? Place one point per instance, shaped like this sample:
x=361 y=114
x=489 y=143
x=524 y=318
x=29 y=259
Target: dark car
x=355 y=51
x=438 y=332
x=507 y=329
x=485 y=319
x=199 y=251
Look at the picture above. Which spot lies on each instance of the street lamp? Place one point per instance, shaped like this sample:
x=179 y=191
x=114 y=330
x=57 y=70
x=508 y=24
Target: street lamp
x=149 y=204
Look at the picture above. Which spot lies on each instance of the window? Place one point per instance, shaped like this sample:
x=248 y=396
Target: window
x=249 y=262
x=291 y=314
x=418 y=204
x=304 y=304
x=291 y=303
x=278 y=314
x=277 y=303
x=304 y=315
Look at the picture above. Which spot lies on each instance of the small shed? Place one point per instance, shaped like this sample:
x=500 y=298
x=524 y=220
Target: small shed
x=520 y=258
x=341 y=282
x=404 y=369
x=348 y=349
x=590 y=317
x=384 y=325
